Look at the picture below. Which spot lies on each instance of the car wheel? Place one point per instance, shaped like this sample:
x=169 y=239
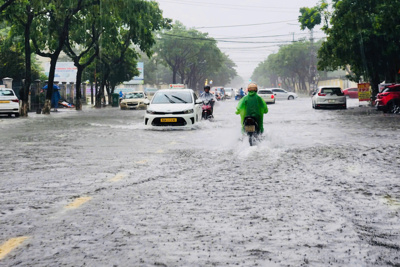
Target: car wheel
x=16 y=115
x=290 y=97
x=393 y=107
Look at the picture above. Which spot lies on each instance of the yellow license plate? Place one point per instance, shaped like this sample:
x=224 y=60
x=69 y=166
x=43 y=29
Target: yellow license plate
x=169 y=120
x=4 y=101
x=250 y=128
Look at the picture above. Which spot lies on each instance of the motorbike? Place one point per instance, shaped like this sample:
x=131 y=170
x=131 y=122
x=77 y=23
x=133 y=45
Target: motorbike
x=251 y=128
x=207 y=109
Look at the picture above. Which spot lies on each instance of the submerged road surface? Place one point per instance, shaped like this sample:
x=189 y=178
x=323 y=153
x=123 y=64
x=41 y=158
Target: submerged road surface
x=97 y=188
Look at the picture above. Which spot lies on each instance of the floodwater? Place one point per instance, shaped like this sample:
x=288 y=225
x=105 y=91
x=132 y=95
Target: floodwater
x=98 y=188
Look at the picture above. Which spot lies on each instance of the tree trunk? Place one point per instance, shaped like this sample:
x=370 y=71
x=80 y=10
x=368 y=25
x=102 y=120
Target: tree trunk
x=49 y=94
x=174 y=75
x=28 y=66
x=78 y=104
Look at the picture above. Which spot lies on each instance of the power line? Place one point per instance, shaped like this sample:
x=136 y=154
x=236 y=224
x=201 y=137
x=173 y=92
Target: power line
x=226 y=41
x=230 y=6
x=245 y=25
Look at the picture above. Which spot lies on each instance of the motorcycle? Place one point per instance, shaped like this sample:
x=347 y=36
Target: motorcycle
x=207 y=109
x=251 y=129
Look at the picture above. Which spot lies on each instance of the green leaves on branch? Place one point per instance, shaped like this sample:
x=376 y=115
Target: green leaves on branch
x=193 y=57
x=364 y=38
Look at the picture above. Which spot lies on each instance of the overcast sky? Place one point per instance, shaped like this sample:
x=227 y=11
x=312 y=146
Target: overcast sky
x=229 y=21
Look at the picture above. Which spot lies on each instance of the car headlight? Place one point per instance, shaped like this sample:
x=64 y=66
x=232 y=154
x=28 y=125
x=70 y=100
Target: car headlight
x=188 y=111
x=150 y=112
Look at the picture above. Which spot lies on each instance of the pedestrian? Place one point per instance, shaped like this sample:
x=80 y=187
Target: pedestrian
x=55 y=98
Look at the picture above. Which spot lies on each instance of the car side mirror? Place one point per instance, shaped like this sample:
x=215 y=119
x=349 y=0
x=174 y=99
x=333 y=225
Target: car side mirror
x=198 y=101
x=146 y=102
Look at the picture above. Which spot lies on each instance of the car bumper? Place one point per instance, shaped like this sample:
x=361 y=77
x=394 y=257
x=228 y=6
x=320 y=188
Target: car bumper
x=331 y=103
x=9 y=108
x=132 y=106
x=171 y=120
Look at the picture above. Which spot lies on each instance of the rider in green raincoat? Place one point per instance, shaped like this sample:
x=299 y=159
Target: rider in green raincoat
x=252 y=105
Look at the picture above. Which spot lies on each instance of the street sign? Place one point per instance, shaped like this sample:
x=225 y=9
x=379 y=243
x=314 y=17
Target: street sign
x=176 y=86
x=364 y=93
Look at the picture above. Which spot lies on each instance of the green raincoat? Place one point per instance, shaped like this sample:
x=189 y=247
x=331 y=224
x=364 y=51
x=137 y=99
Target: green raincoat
x=252 y=105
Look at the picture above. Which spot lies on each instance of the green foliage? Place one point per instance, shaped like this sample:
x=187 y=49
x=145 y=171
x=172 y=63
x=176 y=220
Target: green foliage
x=193 y=56
x=364 y=35
x=12 y=61
x=155 y=71
x=291 y=66
x=312 y=16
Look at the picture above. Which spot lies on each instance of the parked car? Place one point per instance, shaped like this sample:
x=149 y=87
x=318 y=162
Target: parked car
x=9 y=102
x=389 y=99
x=351 y=92
x=267 y=95
x=328 y=97
x=283 y=94
x=173 y=107
x=133 y=100
x=229 y=93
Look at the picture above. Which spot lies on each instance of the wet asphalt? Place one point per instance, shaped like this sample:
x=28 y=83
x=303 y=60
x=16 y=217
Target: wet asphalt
x=98 y=188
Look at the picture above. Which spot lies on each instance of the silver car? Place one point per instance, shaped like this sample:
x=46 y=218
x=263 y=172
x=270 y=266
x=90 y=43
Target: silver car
x=283 y=94
x=267 y=95
x=328 y=97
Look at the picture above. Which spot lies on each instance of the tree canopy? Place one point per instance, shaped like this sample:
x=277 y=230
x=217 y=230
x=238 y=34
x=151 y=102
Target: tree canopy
x=193 y=57
x=290 y=67
x=363 y=35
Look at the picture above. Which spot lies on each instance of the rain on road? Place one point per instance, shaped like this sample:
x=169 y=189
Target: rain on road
x=97 y=188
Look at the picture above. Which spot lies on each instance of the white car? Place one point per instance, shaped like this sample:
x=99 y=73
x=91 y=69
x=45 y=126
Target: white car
x=229 y=93
x=267 y=95
x=133 y=100
x=328 y=97
x=173 y=107
x=9 y=103
x=283 y=94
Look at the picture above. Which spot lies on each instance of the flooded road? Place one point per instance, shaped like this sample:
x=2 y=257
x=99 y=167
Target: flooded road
x=97 y=188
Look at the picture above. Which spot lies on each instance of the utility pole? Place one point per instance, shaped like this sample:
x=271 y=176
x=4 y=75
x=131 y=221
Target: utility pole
x=313 y=68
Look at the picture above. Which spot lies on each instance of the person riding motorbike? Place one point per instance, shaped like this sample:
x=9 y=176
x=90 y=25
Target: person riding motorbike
x=252 y=105
x=206 y=95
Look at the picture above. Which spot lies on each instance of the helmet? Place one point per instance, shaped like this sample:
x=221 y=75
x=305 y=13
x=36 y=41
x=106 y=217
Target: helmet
x=206 y=87
x=252 y=87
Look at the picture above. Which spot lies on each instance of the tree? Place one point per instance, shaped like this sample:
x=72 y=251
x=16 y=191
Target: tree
x=84 y=36
x=193 y=57
x=53 y=31
x=21 y=15
x=226 y=73
x=363 y=35
x=5 y=4
x=156 y=71
x=129 y=23
x=290 y=67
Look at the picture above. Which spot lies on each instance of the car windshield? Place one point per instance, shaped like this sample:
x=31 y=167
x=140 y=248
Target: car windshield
x=332 y=91
x=134 y=95
x=264 y=92
x=6 y=93
x=392 y=89
x=172 y=97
